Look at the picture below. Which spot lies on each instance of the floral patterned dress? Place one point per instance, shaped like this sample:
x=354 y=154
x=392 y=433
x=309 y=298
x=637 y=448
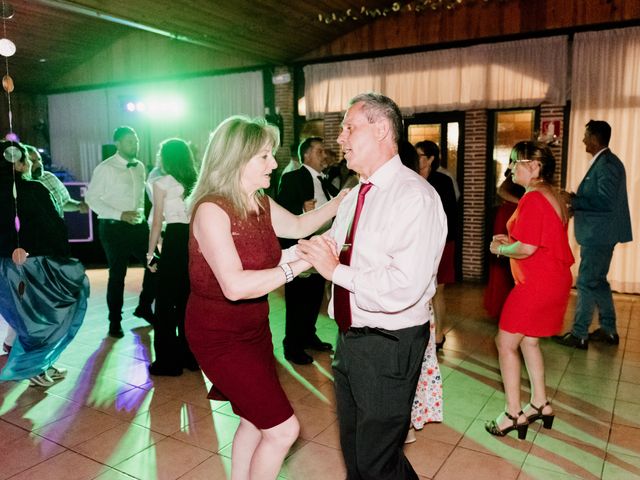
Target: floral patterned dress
x=427 y=402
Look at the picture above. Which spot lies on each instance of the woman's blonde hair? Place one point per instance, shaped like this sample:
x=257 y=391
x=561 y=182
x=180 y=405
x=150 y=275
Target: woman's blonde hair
x=236 y=140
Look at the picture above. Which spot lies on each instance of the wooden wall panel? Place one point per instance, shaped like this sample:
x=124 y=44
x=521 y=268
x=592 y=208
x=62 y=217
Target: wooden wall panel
x=474 y=22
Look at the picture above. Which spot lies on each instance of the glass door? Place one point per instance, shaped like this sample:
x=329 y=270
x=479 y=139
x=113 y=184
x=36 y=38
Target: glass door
x=447 y=131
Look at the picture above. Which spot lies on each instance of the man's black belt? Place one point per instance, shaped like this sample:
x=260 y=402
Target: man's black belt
x=374 y=331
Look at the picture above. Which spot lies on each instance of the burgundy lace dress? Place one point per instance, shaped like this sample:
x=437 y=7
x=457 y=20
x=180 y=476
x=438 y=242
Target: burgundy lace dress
x=232 y=340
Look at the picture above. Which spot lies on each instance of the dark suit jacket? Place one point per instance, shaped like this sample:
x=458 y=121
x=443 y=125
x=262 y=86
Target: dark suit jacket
x=296 y=188
x=601 y=206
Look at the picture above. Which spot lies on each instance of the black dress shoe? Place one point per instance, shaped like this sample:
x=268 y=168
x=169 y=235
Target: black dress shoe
x=145 y=313
x=115 y=330
x=299 y=357
x=319 y=345
x=570 y=340
x=600 y=335
x=191 y=365
x=164 y=370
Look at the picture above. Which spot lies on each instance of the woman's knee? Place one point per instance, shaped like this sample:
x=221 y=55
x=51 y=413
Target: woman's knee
x=284 y=434
x=506 y=342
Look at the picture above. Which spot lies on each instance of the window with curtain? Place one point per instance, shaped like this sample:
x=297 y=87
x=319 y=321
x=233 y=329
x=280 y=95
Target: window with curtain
x=500 y=75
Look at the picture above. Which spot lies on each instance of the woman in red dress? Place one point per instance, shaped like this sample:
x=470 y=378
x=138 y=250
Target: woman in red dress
x=540 y=256
x=234 y=262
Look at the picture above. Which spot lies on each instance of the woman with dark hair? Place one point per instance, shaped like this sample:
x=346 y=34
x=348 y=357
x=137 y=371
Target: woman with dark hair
x=43 y=292
x=427 y=406
x=428 y=163
x=177 y=165
x=540 y=256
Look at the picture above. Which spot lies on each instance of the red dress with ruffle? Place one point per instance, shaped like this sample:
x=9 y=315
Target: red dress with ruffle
x=231 y=339
x=538 y=301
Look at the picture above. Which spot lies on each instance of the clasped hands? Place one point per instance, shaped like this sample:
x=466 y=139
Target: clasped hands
x=497 y=241
x=320 y=251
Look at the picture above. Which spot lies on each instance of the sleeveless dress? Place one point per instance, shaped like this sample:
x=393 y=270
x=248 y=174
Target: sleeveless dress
x=537 y=304
x=231 y=339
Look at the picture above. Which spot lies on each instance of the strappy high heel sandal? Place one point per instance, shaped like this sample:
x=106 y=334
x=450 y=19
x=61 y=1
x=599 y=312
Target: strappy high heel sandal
x=493 y=428
x=547 y=420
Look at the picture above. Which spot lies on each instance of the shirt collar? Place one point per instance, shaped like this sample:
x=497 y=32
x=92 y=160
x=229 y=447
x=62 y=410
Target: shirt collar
x=121 y=160
x=383 y=176
x=593 y=159
x=313 y=171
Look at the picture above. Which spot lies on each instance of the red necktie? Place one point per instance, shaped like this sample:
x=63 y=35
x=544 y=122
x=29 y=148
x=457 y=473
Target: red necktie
x=341 y=302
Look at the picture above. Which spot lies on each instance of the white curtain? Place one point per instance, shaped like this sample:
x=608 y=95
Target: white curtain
x=81 y=122
x=606 y=86
x=500 y=75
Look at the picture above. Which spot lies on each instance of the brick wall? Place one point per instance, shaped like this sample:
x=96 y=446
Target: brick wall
x=554 y=112
x=332 y=123
x=284 y=98
x=473 y=196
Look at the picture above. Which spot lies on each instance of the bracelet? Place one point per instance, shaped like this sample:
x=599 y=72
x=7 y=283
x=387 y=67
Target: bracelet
x=288 y=272
x=500 y=250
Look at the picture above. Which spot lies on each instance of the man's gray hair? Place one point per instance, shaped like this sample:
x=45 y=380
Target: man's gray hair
x=376 y=105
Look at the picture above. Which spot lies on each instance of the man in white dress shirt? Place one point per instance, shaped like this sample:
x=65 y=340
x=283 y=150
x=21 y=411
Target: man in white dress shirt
x=116 y=194
x=390 y=232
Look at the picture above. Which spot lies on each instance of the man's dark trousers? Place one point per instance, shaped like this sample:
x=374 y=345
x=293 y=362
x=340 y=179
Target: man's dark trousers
x=303 y=297
x=376 y=374
x=121 y=241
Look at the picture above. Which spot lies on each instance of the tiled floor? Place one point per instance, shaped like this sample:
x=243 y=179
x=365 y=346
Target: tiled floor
x=109 y=420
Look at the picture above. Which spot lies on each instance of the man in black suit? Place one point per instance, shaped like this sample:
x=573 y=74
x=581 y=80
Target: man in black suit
x=300 y=191
x=601 y=220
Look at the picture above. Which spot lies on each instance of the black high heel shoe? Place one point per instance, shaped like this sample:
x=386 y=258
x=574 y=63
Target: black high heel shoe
x=547 y=420
x=493 y=428
x=439 y=345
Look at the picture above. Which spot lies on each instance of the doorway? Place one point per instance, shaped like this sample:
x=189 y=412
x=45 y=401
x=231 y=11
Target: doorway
x=447 y=131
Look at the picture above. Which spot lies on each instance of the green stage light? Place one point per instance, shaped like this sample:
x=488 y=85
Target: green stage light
x=165 y=108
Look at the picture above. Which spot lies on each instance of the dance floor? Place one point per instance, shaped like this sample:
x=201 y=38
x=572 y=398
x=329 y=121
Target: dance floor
x=109 y=420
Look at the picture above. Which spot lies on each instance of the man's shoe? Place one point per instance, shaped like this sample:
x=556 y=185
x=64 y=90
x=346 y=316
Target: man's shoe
x=299 y=357
x=600 y=335
x=41 y=380
x=145 y=313
x=115 y=330
x=56 y=373
x=570 y=340
x=319 y=345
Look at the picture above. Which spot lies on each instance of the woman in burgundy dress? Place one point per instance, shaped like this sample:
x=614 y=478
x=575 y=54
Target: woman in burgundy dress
x=540 y=256
x=500 y=280
x=234 y=262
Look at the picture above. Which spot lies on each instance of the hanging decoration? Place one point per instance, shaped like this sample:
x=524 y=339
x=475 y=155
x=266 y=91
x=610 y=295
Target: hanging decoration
x=415 y=6
x=11 y=154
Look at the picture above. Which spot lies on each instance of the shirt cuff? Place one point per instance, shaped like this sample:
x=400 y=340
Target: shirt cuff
x=343 y=275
